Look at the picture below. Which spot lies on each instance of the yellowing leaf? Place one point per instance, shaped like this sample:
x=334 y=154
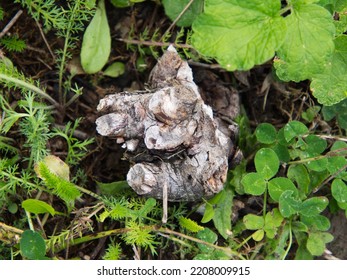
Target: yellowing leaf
x=115 y=69
x=258 y=235
x=253 y=222
x=239 y=34
x=96 y=44
x=56 y=166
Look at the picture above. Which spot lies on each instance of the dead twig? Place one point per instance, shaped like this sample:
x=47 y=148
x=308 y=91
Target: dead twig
x=10 y=24
x=177 y=19
x=151 y=43
x=45 y=40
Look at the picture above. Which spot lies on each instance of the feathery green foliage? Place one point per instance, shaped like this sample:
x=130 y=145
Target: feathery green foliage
x=76 y=149
x=113 y=252
x=64 y=189
x=13 y=43
x=67 y=22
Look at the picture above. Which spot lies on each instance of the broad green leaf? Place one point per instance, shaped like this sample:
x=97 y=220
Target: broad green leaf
x=279 y=185
x=113 y=189
x=189 y=224
x=318 y=165
x=317 y=178
x=36 y=206
x=32 y=245
x=209 y=236
x=342 y=205
x=298 y=173
x=299 y=226
x=208 y=214
x=254 y=184
x=339 y=145
x=334 y=5
x=316 y=242
x=222 y=212
x=336 y=164
x=296 y=2
x=12 y=207
x=288 y=204
x=147 y=207
x=90 y=4
x=339 y=111
x=273 y=220
x=96 y=45
x=318 y=222
x=302 y=253
x=266 y=163
x=115 y=69
x=281 y=137
x=125 y=3
x=266 y=133
x=340 y=5
x=294 y=129
x=236 y=176
x=315 y=145
x=308 y=45
x=341 y=24
x=282 y=243
x=311 y=113
x=174 y=7
x=339 y=190
x=239 y=34
x=330 y=86
x=282 y=152
x=253 y=222
x=313 y=206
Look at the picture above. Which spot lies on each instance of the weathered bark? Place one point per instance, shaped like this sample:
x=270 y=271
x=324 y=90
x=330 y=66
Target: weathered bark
x=170 y=134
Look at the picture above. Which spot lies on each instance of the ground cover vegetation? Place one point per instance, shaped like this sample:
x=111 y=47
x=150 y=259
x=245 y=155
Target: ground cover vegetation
x=63 y=193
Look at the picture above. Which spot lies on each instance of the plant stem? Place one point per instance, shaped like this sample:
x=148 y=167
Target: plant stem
x=11 y=23
x=334 y=153
x=98 y=197
x=157 y=44
x=265 y=203
x=154 y=228
x=31 y=87
x=290 y=241
x=244 y=242
x=316 y=189
x=285 y=10
x=177 y=19
x=30 y=222
x=226 y=250
x=70 y=21
x=11 y=177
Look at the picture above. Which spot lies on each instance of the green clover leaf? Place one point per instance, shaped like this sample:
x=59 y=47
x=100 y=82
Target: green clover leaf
x=266 y=163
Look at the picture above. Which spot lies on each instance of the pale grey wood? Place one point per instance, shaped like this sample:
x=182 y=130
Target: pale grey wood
x=171 y=135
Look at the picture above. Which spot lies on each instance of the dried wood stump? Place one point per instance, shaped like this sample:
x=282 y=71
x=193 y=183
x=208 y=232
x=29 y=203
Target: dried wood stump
x=178 y=147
